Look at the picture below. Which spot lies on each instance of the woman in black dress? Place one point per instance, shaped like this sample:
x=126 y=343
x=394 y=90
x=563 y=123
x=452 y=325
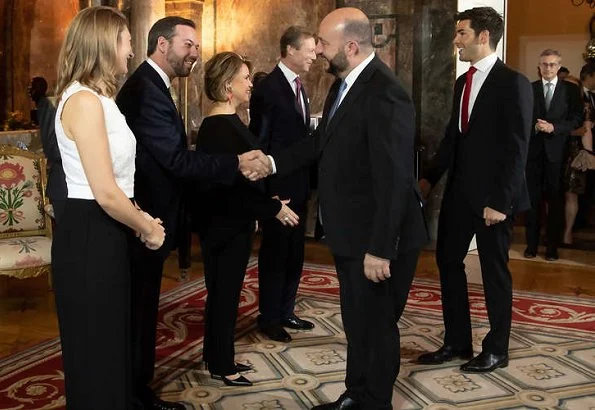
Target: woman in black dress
x=226 y=214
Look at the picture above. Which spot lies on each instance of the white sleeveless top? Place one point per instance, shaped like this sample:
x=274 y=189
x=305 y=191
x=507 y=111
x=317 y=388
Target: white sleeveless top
x=122 y=146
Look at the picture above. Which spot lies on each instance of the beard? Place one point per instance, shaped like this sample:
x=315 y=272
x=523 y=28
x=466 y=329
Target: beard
x=177 y=64
x=338 y=64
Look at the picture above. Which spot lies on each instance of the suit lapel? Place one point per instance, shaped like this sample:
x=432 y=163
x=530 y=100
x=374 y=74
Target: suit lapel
x=156 y=79
x=557 y=96
x=289 y=92
x=307 y=105
x=538 y=92
x=352 y=95
x=490 y=82
x=459 y=87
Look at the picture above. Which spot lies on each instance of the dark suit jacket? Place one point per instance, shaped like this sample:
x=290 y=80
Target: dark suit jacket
x=46 y=114
x=565 y=113
x=164 y=164
x=276 y=121
x=488 y=163
x=368 y=194
x=226 y=210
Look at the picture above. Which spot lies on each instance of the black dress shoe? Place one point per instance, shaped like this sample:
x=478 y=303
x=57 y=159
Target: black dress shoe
x=276 y=333
x=445 y=354
x=240 y=381
x=485 y=363
x=343 y=403
x=530 y=253
x=551 y=255
x=295 y=322
x=158 y=404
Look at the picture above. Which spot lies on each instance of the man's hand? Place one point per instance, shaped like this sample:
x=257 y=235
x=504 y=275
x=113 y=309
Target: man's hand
x=544 y=126
x=376 y=269
x=425 y=187
x=492 y=216
x=254 y=165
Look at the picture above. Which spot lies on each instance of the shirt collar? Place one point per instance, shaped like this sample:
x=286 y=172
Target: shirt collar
x=554 y=81
x=161 y=73
x=485 y=64
x=290 y=75
x=352 y=76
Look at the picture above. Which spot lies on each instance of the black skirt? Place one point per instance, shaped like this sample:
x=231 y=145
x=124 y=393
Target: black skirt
x=91 y=277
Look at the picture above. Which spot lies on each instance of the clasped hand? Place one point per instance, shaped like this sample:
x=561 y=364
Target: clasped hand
x=155 y=238
x=286 y=215
x=255 y=165
x=544 y=126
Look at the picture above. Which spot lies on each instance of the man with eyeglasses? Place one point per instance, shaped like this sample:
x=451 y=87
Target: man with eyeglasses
x=557 y=110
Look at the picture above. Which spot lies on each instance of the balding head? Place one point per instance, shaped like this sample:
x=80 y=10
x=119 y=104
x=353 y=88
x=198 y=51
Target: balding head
x=345 y=39
x=350 y=23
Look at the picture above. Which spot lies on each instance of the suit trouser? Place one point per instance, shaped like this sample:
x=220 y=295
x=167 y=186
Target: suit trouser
x=225 y=261
x=280 y=262
x=544 y=177
x=456 y=227
x=147 y=269
x=370 y=312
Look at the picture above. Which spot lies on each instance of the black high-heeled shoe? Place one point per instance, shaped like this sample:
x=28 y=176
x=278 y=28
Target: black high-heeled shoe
x=239 y=367
x=242 y=367
x=240 y=381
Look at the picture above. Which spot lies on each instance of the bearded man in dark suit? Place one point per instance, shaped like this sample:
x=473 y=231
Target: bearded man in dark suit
x=370 y=206
x=164 y=165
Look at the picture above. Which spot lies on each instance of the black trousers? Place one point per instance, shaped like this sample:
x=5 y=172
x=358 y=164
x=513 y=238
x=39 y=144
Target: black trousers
x=225 y=256
x=544 y=177
x=91 y=278
x=147 y=269
x=370 y=312
x=456 y=227
x=280 y=262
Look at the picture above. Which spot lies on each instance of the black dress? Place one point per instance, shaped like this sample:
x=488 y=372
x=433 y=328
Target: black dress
x=225 y=217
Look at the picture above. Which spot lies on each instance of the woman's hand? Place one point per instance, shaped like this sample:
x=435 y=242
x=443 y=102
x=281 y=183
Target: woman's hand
x=286 y=216
x=154 y=238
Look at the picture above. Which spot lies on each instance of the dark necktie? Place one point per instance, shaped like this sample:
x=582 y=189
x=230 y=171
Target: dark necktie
x=337 y=101
x=466 y=95
x=298 y=95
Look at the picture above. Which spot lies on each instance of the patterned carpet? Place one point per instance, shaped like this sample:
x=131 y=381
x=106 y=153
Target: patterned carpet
x=552 y=357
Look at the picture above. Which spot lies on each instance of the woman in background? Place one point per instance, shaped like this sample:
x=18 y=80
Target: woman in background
x=576 y=168
x=90 y=262
x=227 y=213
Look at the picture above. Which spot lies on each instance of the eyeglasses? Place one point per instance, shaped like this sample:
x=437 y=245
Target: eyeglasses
x=549 y=65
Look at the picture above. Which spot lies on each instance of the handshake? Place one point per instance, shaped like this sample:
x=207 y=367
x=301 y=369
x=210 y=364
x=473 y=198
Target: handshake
x=255 y=165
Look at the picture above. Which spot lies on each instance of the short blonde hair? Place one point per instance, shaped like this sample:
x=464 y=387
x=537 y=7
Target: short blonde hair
x=219 y=73
x=89 y=51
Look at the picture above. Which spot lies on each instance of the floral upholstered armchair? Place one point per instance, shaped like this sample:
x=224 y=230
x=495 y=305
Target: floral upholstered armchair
x=25 y=228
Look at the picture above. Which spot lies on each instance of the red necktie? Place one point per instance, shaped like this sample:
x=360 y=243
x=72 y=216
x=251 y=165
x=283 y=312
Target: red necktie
x=465 y=104
x=298 y=95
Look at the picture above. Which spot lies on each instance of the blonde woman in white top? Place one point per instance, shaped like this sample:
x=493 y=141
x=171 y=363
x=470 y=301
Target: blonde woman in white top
x=90 y=257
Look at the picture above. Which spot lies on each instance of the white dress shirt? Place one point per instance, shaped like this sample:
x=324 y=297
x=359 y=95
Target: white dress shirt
x=352 y=76
x=161 y=73
x=484 y=66
x=554 y=82
x=291 y=76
